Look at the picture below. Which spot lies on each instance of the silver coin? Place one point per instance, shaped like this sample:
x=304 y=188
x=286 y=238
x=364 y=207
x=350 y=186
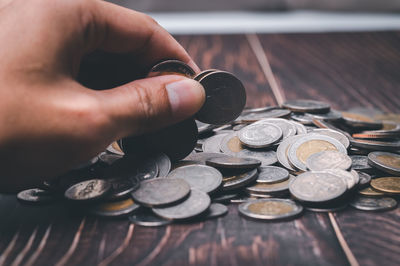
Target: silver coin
x=332 y=115
x=385 y=161
x=213 y=144
x=308 y=106
x=365 y=179
x=122 y=187
x=328 y=160
x=300 y=128
x=147 y=169
x=115 y=208
x=272 y=174
x=317 y=186
x=145 y=217
x=202 y=157
x=302 y=118
x=373 y=204
x=201 y=177
x=250 y=117
x=197 y=203
x=301 y=149
x=222 y=198
x=216 y=210
x=269 y=189
x=327 y=209
x=376 y=145
x=288 y=129
x=35 y=195
x=239 y=180
x=260 y=135
x=242 y=198
x=161 y=192
x=109 y=158
x=360 y=163
x=204 y=128
x=267 y=157
x=88 y=190
x=270 y=209
x=261 y=196
x=350 y=178
x=334 y=134
x=164 y=164
x=233 y=162
x=282 y=152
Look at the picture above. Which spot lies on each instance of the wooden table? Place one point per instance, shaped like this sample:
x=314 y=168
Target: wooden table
x=344 y=69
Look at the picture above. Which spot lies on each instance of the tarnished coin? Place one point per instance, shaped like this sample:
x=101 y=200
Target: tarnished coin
x=288 y=129
x=317 y=186
x=115 y=208
x=306 y=106
x=200 y=75
x=35 y=196
x=361 y=121
x=253 y=116
x=272 y=174
x=270 y=209
x=270 y=189
x=161 y=192
x=201 y=177
x=235 y=181
x=171 y=67
x=88 y=190
x=282 y=151
x=370 y=192
x=164 y=164
x=373 y=204
x=334 y=134
x=385 y=161
x=225 y=98
x=302 y=118
x=365 y=179
x=216 y=210
x=260 y=135
x=233 y=162
x=122 y=187
x=309 y=144
x=213 y=144
x=350 y=178
x=145 y=217
x=387 y=184
x=376 y=145
x=197 y=203
x=328 y=160
x=360 y=163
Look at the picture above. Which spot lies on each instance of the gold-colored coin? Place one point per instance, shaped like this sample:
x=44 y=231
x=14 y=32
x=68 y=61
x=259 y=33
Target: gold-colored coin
x=388 y=117
x=234 y=144
x=389 y=160
x=261 y=188
x=270 y=208
x=313 y=146
x=115 y=205
x=387 y=184
x=370 y=192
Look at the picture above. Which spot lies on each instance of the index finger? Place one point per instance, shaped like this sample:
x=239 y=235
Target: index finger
x=121 y=30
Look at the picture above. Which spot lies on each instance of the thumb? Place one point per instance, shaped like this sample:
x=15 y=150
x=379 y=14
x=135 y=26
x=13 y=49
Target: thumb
x=150 y=104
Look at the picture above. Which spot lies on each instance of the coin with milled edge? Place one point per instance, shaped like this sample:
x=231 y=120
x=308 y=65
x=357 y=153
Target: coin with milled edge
x=373 y=204
x=146 y=217
x=171 y=67
x=161 y=192
x=309 y=144
x=201 y=177
x=233 y=162
x=334 y=134
x=163 y=163
x=270 y=189
x=225 y=98
x=282 y=151
x=360 y=163
x=267 y=157
x=260 y=135
x=35 y=196
x=328 y=160
x=272 y=174
x=236 y=181
x=213 y=144
x=350 y=178
x=88 y=190
x=385 y=161
x=270 y=209
x=365 y=179
x=197 y=203
x=288 y=129
x=387 y=184
x=308 y=106
x=115 y=208
x=300 y=128
x=317 y=186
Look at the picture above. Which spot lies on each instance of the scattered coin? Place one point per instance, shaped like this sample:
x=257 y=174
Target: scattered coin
x=213 y=143
x=334 y=134
x=88 y=190
x=201 y=177
x=114 y=148
x=161 y=192
x=216 y=210
x=373 y=204
x=270 y=189
x=350 y=178
x=282 y=152
x=270 y=209
x=387 y=184
x=267 y=157
x=365 y=179
x=197 y=203
x=272 y=174
x=145 y=217
x=376 y=145
x=35 y=196
x=370 y=192
x=260 y=135
x=115 y=208
x=330 y=159
x=288 y=129
x=109 y=158
x=307 y=106
x=163 y=163
x=300 y=129
x=385 y=161
x=360 y=163
x=236 y=181
x=360 y=121
x=233 y=162
x=252 y=116
x=225 y=98
x=122 y=187
x=223 y=197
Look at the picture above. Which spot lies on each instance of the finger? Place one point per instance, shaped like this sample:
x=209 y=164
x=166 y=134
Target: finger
x=122 y=30
x=151 y=103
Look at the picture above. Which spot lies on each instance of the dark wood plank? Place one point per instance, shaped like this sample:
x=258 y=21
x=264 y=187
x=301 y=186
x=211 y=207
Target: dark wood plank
x=231 y=53
x=345 y=69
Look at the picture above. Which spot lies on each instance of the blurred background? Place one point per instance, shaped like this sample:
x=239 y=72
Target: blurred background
x=241 y=16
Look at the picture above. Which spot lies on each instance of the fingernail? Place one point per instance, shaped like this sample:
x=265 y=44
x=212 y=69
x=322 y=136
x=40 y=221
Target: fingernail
x=185 y=96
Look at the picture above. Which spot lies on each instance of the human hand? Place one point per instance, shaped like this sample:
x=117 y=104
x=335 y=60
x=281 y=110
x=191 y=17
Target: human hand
x=49 y=122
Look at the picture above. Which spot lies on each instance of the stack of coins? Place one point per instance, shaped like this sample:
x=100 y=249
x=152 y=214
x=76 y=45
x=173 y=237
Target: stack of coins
x=275 y=162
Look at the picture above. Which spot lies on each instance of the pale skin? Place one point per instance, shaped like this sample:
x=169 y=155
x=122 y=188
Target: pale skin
x=49 y=122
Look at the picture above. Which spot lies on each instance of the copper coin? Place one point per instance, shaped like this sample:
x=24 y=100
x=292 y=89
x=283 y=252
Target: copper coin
x=385 y=161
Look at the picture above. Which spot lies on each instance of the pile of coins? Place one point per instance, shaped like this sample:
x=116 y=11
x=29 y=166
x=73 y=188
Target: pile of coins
x=274 y=161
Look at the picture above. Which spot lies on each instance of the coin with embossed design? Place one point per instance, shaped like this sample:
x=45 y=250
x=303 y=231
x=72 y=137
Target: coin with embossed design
x=260 y=135
x=272 y=174
x=385 y=161
x=328 y=160
x=115 y=208
x=88 y=190
x=387 y=184
x=270 y=209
